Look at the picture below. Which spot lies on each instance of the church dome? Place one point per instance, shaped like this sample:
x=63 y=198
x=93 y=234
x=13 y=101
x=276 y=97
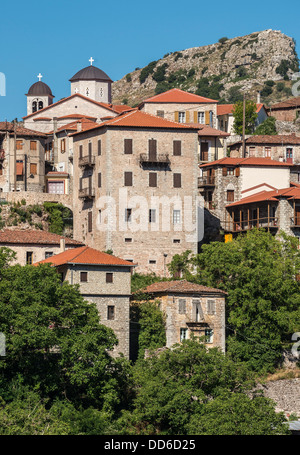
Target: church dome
x=39 y=89
x=90 y=73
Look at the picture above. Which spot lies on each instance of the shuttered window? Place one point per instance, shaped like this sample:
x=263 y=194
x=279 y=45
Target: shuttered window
x=237 y=171
x=128 y=146
x=177 y=180
x=109 y=277
x=33 y=168
x=110 y=312
x=99 y=147
x=128 y=178
x=224 y=171
x=90 y=148
x=176 y=148
x=99 y=179
x=33 y=145
x=181 y=306
x=80 y=151
x=63 y=146
x=90 y=221
x=230 y=195
x=83 y=277
x=152 y=148
x=153 y=179
x=211 y=306
x=19 y=144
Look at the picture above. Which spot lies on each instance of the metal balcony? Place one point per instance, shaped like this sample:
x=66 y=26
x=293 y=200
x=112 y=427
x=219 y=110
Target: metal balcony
x=88 y=160
x=86 y=193
x=162 y=158
x=206 y=181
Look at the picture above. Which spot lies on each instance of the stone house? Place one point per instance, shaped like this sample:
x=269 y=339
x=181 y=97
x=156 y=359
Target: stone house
x=135 y=188
x=286 y=111
x=278 y=147
x=22 y=158
x=35 y=245
x=103 y=279
x=273 y=209
x=226 y=118
x=230 y=179
x=191 y=309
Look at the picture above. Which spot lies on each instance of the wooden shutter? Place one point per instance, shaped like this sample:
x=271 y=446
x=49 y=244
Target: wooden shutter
x=99 y=179
x=33 y=168
x=230 y=195
x=176 y=116
x=80 y=151
x=90 y=149
x=83 y=277
x=63 y=146
x=176 y=148
x=90 y=221
x=237 y=171
x=128 y=146
x=187 y=117
x=109 y=277
x=153 y=179
x=177 y=180
x=19 y=144
x=152 y=149
x=195 y=117
x=80 y=183
x=207 y=119
x=128 y=178
x=224 y=171
x=181 y=306
x=32 y=145
x=211 y=306
x=99 y=147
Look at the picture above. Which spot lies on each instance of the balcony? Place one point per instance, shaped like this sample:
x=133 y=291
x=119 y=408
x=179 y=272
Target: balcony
x=245 y=225
x=295 y=221
x=87 y=193
x=206 y=181
x=162 y=158
x=88 y=160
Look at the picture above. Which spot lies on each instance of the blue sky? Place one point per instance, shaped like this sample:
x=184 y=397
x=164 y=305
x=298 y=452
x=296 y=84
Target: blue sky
x=57 y=38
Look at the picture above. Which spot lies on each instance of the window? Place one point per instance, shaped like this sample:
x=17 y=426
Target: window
x=110 y=312
x=160 y=114
x=176 y=240
x=33 y=168
x=183 y=334
x=63 y=146
x=181 y=306
x=32 y=145
x=268 y=152
x=99 y=147
x=101 y=92
x=230 y=171
x=177 y=180
x=252 y=150
x=128 y=214
x=152 y=179
x=209 y=335
x=176 y=216
x=152 y=216
x=201 y=118
x=211 y=306
x=99 y=215
x=19 y=144
x=109 y=277
x=99 y=179
x=176 y=148
x=152 y=261
x=48 y=254
x=41 y=105
x=128 y=240
x=128 y=178
x=128 y=146
x=230 y=195
x=87 y=92
x=90 y=221
x=90 y=149
x=197 y=311
x=80 y=151
x=83 y=277
x=34 y=106
x=181 y=117
x=29 y=257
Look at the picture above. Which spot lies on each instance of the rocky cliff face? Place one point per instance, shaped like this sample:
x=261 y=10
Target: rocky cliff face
x=222 y=70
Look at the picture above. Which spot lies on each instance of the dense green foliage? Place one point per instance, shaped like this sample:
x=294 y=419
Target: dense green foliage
x=59 y=217
x=250 y=117
x=147 y=71
x=268 y=127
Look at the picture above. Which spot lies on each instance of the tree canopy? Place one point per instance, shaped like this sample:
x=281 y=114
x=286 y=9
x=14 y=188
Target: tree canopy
x=250 y=117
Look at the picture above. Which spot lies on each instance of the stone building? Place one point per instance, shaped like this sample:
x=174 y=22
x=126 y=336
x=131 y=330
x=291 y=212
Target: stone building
x=103 y=279
x=226 y=118
x=191 y=309
x=135 y=188
x=35 y=245
x=286 y=111
x=22 y=158
x=280 y=147
x=230 y=179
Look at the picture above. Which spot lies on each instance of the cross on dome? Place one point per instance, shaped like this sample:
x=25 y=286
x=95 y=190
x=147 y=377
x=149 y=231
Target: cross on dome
x=91 y=60
x=39 y=76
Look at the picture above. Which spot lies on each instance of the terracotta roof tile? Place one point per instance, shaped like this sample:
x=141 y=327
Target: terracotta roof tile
x=85 y=255
x=20 y=130
x=292 y=192
x=251 y=161
x=223 y=109
x=292 y=102
x=274 y=139
x=176 y=95
x=180 y=287
x=19 y=236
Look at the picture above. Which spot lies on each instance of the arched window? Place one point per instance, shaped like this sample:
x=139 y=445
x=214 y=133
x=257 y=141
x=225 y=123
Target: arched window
x=34 y=106
x=41 y=105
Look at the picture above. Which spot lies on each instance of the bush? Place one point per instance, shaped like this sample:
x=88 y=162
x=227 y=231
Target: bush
x=223 y=40
x=147 y=71
x=128 y=78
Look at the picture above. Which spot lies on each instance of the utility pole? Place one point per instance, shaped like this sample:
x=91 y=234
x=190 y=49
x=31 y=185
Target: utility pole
x=244 y=121
x=15 y=157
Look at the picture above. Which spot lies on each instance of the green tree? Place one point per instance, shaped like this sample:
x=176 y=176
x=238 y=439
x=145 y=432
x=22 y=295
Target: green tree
x=267 y=127
x=250 y=117
x=180 y=391
x=234 y=95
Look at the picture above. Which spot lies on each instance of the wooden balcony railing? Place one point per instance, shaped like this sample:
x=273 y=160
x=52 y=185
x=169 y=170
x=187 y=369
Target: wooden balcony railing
x=88 y=160
x=86 y=193
x=162 y=158
x=245 y=225
x=295 y=221
x=206 y=181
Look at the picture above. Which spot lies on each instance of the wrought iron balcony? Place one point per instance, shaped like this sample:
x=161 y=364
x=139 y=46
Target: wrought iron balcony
x=88 y=160
x=206 y=181
x=162 y=158
x=86 y=193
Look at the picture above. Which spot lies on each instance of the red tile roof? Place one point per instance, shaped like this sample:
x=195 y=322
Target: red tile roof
x=292 y=192
x=20 y=130
x=223 y=109
x=274 y=139
x=251 y=161
x=206 y=130
x=76 y=116
x=26 y=236
x=180 y=287
x=176 y=95
x=86 y=123
x=85 y=255
x=140 y=119
x=292 y=102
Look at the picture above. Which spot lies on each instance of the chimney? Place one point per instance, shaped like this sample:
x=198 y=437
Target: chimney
x=62 y=245
x=258 y=97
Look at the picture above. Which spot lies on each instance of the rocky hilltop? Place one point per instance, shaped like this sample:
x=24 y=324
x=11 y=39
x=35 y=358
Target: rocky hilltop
x=264 y=61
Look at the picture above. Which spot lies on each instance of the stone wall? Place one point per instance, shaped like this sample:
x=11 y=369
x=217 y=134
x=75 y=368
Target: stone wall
x=286 y=394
